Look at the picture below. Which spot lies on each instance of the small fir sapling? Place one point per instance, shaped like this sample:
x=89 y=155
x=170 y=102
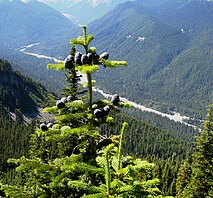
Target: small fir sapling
x=81 y=163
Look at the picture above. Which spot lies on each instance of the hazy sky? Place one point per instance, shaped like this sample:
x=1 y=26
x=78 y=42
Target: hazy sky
x=49 y=1
x=92 y=2
x=74 y=1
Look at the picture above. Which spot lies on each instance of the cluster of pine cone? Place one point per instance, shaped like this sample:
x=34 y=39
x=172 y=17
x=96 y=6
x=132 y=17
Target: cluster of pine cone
x=102 y=113
x=84 y=59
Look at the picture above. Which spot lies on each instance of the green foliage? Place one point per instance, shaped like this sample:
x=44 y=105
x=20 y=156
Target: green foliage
x=201 y=180
x=15 y=138
x=59 y=66
x=88 y=69
x=71 y=158
x=183 y=178
x=113 y=64
x=165 y=148
x=128 y=180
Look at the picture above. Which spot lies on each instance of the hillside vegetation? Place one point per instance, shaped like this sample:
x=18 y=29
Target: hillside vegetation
x=170 y=53
x=168 y=44
x=86 y=151
x=19 y=93
x=31 y=22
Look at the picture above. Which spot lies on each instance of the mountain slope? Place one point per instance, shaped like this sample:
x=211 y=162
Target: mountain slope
x=34 y=67
x=83 y=11
x=20 y=93
x=31 y=21
x=170 y=64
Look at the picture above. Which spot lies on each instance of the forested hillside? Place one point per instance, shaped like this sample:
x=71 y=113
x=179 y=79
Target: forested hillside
x=28 y=23
x=14 y=138
x=19 y=94
x=169 y=48
x=34 y=68
x=170 y=52
x=20 y=100
x=157 y=53
x=195 y=179
x=89 y=150
x=31 y=22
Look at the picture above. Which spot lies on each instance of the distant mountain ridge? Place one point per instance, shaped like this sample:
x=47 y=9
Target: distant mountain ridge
x=83 y=11
x=86 y=11
x=169 y=50
x=24 y=22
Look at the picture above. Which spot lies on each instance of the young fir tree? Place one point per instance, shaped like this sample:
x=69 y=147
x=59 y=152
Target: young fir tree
x=69 y=158
x=183 y=177
x=201 y=182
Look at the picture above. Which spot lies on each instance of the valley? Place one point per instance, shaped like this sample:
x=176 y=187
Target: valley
x=123 y=110
x=23 y=50
x=177 y=117
x=169 y=66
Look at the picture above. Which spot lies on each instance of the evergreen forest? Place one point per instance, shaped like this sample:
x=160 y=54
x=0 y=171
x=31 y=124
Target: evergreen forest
x=95 y=147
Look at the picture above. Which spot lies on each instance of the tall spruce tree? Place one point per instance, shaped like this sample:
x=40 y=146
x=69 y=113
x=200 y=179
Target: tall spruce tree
x=69 y=157
x=201 y=182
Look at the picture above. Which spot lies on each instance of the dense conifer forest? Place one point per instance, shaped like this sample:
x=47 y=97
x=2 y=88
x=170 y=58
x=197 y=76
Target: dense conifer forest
x=92 y=149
